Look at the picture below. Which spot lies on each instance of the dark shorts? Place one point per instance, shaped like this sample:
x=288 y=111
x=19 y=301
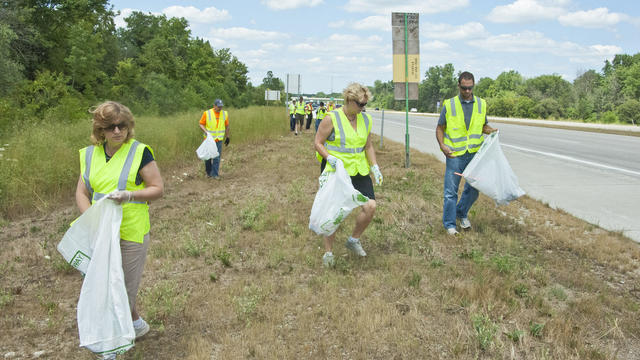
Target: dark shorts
x=361 y=183
x=300 y=118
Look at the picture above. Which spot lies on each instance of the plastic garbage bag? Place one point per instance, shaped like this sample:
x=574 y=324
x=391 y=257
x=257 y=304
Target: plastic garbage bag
x=92 y=245
x=490 y=173
x=335 y=199
x=208 y=149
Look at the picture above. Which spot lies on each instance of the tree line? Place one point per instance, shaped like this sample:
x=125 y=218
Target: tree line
x=59 y=57
x=609 y=96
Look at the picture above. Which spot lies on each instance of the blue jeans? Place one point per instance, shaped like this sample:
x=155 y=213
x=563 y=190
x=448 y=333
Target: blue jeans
x=453 y=208
x=292 y=122
x=212 y=166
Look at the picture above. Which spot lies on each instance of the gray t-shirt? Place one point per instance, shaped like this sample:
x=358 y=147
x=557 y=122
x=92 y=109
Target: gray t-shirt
x=467 y=109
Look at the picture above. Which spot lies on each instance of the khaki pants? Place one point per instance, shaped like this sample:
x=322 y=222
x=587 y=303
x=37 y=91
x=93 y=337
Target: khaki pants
x=133 y=258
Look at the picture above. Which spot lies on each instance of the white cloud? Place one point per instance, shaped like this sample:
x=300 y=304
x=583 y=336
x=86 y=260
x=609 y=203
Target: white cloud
x=336 y=43
x=375 y=22
x=435 y=45
x=536 y=42
x=596 y=18
x=252 y=53
x=526 y=11
x=303 y=47
x=470 y=30
x=209 y=15
x=219 y=43
x=313 y=60
x=413 y=6
x=271 y=46
x=344 y=38
x=119 y=20
x=245 y=34
x=336 y=24
x=290 y=4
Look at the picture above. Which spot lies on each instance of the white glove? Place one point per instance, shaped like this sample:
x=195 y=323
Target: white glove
x=377 y=175
x=331 y=160
x=121 y=196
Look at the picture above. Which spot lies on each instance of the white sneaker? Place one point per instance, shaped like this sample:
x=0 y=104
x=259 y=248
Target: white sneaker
x=354 y=245
x=109 y=357
x=327 y=259
x=465 y=223
x=142 y=330
x=452 y=231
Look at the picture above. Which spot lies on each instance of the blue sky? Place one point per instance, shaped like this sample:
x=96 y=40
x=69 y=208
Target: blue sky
x=332 y=43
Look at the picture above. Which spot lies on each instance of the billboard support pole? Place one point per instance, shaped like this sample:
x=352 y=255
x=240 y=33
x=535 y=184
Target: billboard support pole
x=407 y=160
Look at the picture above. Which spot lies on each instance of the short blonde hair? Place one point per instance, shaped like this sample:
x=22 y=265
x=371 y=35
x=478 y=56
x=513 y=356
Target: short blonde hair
x=106 y=114
x=357 y=92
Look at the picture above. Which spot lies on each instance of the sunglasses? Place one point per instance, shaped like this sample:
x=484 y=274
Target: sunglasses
x=360 y=104
x=466 y=88
x=121 y=126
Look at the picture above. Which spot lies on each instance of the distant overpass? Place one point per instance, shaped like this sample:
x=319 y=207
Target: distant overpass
x=324 y=99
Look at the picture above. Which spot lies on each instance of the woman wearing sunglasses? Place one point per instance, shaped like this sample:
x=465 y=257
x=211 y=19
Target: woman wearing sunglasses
x=344 y=134
x=124 y=169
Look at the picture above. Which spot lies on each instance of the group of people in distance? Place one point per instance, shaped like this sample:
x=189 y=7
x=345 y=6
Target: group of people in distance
x=299 y=111
x=342 y=133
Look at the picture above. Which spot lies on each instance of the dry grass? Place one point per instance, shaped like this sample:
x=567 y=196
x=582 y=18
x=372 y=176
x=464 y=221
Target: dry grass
x=233 y=273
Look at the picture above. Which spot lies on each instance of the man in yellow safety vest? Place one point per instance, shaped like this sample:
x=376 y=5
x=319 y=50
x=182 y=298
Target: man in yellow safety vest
x=308 y=110
x=461 y=126
x=320 y=113
x=299 y=115
x=215 y=121
x=292 y=115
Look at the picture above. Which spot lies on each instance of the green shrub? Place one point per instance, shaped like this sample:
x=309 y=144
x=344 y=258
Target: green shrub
x=609 y=117
x=629 y=112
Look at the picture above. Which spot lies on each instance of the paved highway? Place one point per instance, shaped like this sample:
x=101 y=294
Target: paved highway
x=593 y=176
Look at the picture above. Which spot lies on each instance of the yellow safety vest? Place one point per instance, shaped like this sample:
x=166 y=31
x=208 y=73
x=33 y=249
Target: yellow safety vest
x=456 y=136
x=102 y=177
x=348 y=145
x=300 y=108
x=330 y=107
x=292 y=109
x=321 y=113
x=216 y=128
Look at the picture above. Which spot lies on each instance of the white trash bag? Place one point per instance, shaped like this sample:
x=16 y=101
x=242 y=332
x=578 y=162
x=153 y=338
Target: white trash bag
x=490 y=173
x=208 y=149
x=336 y=198
x=92 y=245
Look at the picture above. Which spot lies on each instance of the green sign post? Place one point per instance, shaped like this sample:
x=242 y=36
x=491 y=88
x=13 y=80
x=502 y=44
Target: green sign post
x=406 y=64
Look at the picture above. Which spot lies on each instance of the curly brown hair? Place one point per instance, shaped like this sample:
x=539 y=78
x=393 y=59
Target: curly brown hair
x=108 y=113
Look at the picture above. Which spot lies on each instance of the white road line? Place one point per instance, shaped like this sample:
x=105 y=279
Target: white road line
x=569 y=158
x=557 y=156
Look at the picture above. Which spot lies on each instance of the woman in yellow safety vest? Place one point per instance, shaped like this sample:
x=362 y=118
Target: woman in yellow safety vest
x=320 y=113
x=344 y=134
x=123 y=169
x=308 y=111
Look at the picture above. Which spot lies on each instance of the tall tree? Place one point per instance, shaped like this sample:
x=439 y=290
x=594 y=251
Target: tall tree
x=271 y=82
x=439 y=83
x=10 y=69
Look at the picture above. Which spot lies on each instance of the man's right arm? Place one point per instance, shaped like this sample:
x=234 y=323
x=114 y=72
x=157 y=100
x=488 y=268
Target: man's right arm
x=440 y=130
x=203 y=122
